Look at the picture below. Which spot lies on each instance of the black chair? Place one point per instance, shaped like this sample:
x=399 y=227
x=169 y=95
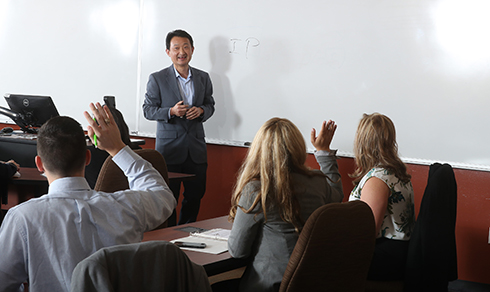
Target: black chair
x=432 y=261
x=99 y=156
x=148 y=266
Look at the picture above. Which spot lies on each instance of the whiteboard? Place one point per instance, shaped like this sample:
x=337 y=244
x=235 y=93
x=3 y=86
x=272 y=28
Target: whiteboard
x=423 y=63
x=71 y=51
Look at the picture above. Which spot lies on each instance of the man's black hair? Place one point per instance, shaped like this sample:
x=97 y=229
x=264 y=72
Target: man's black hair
x=178 y=33
x=62 y=146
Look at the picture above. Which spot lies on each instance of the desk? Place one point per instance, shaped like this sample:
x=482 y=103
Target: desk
x=212 y=263
x=30 y=176
x=180 y=176
x=138 y=142
x=30 y=184
x=22 y=150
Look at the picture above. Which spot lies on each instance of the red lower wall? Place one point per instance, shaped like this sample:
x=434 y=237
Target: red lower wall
x=473 y=221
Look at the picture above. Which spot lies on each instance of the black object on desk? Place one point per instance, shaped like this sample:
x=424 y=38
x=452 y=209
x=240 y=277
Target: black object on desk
x=19 y=147
x=22 y=148
x=6 y=130
x=29 y=111
x=192 y=229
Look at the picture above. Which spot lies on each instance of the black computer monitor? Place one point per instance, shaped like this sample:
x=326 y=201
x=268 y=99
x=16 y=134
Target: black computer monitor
x=34 y=110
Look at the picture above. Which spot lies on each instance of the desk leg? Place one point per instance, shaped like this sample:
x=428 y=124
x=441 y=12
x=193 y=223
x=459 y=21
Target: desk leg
x=18 y=194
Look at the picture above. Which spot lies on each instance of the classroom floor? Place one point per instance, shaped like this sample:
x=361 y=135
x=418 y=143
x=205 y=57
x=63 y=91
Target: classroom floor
x=455 y=286
x=226 y=276
x=466 y=286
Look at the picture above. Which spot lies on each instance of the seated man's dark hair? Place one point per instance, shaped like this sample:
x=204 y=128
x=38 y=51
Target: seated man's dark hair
x=178 y=33
x=62 y=146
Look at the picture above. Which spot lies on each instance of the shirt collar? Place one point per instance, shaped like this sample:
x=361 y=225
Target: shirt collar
x=177 y=74
x=68 y=184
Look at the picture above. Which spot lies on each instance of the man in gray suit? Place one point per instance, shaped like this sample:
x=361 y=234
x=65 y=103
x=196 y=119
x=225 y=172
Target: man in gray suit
x=180 y=99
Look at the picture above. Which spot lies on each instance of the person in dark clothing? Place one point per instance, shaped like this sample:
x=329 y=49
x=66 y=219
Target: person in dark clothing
x=99 y=156
x=7 y=170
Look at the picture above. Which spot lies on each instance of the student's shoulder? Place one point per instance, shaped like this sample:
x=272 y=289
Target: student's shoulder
x=314 y=176
x=250 y=192
x=252 y=186
x=381 y=173
x=30 y=209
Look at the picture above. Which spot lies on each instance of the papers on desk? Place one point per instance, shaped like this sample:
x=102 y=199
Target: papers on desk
x=216 y=240
x=24 y=136
x=216 y=234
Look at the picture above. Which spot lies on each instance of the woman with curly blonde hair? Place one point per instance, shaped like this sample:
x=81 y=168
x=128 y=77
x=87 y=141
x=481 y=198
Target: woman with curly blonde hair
x=274 y=196
x=382 y=181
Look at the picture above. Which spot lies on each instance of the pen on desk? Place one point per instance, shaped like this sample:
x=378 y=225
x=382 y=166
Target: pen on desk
x=190 y=244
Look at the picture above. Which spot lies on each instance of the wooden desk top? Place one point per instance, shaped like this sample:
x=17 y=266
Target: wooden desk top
x=180 y=176
x=19 y=137
x=29 y=175
x=213 y=264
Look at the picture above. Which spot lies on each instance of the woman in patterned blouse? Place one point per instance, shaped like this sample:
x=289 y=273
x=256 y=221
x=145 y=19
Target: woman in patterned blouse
x=382 y=181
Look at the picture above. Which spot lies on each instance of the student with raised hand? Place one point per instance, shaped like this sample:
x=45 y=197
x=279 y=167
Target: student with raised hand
x=382 y=181
x=274 y=196
x=44 y=238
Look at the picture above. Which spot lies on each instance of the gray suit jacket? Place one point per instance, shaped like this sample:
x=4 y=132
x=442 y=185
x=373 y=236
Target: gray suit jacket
x=269 y=243
x=178 y=137
x=146 y=266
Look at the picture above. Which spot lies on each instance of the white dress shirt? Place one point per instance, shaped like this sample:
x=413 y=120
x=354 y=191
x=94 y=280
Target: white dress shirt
x=186 y=87
x=43 y=239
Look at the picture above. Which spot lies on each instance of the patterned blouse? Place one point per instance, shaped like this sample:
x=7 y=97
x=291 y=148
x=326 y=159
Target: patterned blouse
x=399 y=218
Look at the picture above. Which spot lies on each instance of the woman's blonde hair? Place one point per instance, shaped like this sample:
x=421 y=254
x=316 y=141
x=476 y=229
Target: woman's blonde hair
x=277 y=150
x=375 y=146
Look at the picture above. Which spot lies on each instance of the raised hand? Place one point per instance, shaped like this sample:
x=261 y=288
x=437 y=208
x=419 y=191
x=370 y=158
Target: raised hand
x=106 y=130
x=325 y=136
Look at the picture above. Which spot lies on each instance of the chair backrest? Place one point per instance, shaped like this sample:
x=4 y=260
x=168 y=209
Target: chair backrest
x=123 y=128
x=112 y=179
x=334 y=250
x=432 y=261
x=147 y=266
x=99 y=156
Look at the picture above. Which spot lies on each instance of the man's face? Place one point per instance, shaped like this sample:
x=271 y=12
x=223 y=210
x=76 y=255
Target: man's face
x=180 y=51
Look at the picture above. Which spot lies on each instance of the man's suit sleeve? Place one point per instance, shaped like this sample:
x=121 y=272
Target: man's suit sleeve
x=153 y=101
x=208 y=103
